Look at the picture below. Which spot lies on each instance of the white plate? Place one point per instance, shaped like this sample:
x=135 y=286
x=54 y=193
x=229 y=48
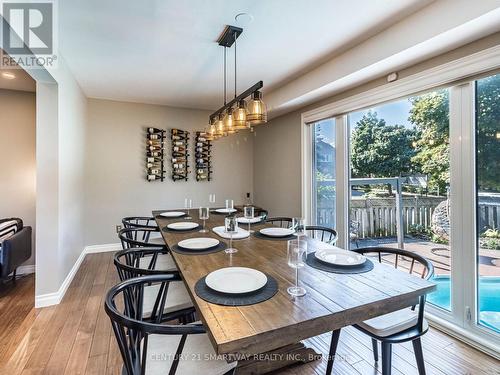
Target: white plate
x=182 y=225
x=200 y=243
x=173 y=214
x=225 y=210
x=244 y=220
x=236 y=280
x=221 y=231
x=277 y=232
x=340 y=257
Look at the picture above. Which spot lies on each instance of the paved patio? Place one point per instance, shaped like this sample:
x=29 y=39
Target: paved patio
x=439 y=254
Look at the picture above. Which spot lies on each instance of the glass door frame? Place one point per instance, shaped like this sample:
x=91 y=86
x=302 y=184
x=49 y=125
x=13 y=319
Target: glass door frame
x=461 y=321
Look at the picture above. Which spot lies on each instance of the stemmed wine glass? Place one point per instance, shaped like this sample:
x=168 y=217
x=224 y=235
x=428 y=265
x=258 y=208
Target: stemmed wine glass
x=299 y=227
x=204 y=214
x=211 y=199
x=231 y=227
x=249 y=212
x=295 y=256
x=229 y=205
x=188 y=204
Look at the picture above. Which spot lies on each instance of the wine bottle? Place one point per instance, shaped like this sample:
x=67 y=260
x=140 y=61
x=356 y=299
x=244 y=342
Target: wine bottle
x=182 y=137
x=179 y=149
x=153 y=136
x=179 y=154
x=179 y=132
x=154 y=131
x=155 y=142
x=153 y=159
x=178 y=165
x=153 y=165
x=178 y=160
x=155 y=154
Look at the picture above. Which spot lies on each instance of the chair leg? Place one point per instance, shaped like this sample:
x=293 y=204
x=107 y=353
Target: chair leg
x=14 y=275
x=419 y=355
x=333 y=350
x=375 y=349
x=386 y=358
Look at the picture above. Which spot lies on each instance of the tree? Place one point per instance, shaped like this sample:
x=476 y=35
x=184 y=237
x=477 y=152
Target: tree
x=488 y=133
x=430 y=115
x=380 y=150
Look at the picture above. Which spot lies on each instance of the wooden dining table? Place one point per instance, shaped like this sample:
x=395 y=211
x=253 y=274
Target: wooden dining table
x=268 y=335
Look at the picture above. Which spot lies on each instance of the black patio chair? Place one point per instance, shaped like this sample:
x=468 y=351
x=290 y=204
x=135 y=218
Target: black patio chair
x=282 y=222
x=150 y=348
x=399 y=326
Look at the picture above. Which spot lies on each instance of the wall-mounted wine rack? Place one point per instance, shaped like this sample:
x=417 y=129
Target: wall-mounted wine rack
x=203 y=148
x=180 y=154
x=155 y=148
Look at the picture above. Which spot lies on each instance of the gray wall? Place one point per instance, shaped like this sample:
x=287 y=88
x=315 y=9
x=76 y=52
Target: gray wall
x=115 y=185
x=17 y=155
x=277 y=165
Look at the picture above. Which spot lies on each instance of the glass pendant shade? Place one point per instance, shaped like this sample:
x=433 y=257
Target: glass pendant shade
x=240 y=116
x=257 y=111
x=228 y=121
x=219 y=125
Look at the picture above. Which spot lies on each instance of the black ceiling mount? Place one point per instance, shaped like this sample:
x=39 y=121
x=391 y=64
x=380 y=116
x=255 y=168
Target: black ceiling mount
x=227 y=37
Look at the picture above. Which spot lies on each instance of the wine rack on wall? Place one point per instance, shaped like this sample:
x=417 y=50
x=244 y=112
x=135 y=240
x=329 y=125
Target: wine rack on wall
x=180 y=155
x=203 y=148
x=155 y=150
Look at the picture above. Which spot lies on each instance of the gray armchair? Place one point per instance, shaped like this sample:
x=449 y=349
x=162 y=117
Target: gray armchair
x=15 y=246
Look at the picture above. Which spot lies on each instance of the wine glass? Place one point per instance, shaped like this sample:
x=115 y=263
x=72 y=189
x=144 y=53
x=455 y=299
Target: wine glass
x=229 y=205
x=231 y=227
x=299 y=227
x=188 y=204
x=249 y=212
x=295 y=256
x=211 y=199
x=204 y=214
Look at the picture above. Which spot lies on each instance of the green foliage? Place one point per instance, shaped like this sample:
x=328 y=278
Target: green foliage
x=324 y=193
x=491 y=233
x=430 y=115
x=380 y=150
x=488 y=131
x=420 y=231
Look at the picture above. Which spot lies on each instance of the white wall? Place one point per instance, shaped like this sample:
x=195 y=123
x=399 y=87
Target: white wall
x=115 y=166
x=61 y=123
x=17 y=155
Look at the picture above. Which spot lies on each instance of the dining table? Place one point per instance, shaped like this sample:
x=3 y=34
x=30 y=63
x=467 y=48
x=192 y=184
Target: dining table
x=269 y=335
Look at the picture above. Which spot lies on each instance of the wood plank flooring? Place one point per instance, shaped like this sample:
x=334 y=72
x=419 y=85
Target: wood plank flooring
x=75 y=336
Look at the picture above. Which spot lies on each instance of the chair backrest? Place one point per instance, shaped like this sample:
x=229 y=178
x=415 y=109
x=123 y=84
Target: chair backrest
x=137 y=237
x=261 y=212
x=404 y=259
x=282 y=222
x=139 y=222
x=124 y=306
x=323 y=234
x=128 y=262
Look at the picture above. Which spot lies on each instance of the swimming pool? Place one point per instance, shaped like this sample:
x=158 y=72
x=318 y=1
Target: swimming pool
x=489 y=299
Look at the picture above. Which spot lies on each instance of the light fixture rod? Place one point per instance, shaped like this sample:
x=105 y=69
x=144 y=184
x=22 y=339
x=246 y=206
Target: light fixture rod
x=243 y=95
x=235 y=36
x=225 y=96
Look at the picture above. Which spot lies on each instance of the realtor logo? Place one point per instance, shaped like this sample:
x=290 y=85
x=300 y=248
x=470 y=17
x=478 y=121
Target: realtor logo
x=28 y=32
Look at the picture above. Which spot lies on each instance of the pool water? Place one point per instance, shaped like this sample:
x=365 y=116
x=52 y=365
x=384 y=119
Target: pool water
x=489 y=299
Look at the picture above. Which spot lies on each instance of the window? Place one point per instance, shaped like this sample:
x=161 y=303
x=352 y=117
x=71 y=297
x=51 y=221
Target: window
x=400 y=177
x=324 y=195
x=488 y=201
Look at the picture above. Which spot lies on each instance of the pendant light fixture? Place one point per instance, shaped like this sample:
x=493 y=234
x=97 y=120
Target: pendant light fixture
x=236 y=114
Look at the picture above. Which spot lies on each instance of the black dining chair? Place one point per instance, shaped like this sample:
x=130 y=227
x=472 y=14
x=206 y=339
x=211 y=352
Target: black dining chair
x=143 y=262
x=139 y=222
x=262 y=213
x=150 y=348
x=282 y=222
x=399 y=326
x=323 y=234
x=132 y=238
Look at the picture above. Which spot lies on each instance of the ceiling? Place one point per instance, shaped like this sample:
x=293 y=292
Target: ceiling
x=21 y=82
x=165 y=52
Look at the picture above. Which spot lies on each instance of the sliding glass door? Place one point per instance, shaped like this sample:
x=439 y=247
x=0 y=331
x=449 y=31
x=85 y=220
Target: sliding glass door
x=324 y=165
x=400 y=181
x=487 y=117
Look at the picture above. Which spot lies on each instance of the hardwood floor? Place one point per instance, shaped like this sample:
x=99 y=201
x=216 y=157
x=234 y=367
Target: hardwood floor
x=75 y=336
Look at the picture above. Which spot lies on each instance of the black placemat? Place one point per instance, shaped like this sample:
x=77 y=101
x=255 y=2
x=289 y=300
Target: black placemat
x=167 y=229
x=221 y=246
x=315 y=263
x=262 y=237
x=205 y=293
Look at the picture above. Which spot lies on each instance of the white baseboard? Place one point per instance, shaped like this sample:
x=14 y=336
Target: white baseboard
x=55 y=298
x=102 y=248
x=25 y=270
